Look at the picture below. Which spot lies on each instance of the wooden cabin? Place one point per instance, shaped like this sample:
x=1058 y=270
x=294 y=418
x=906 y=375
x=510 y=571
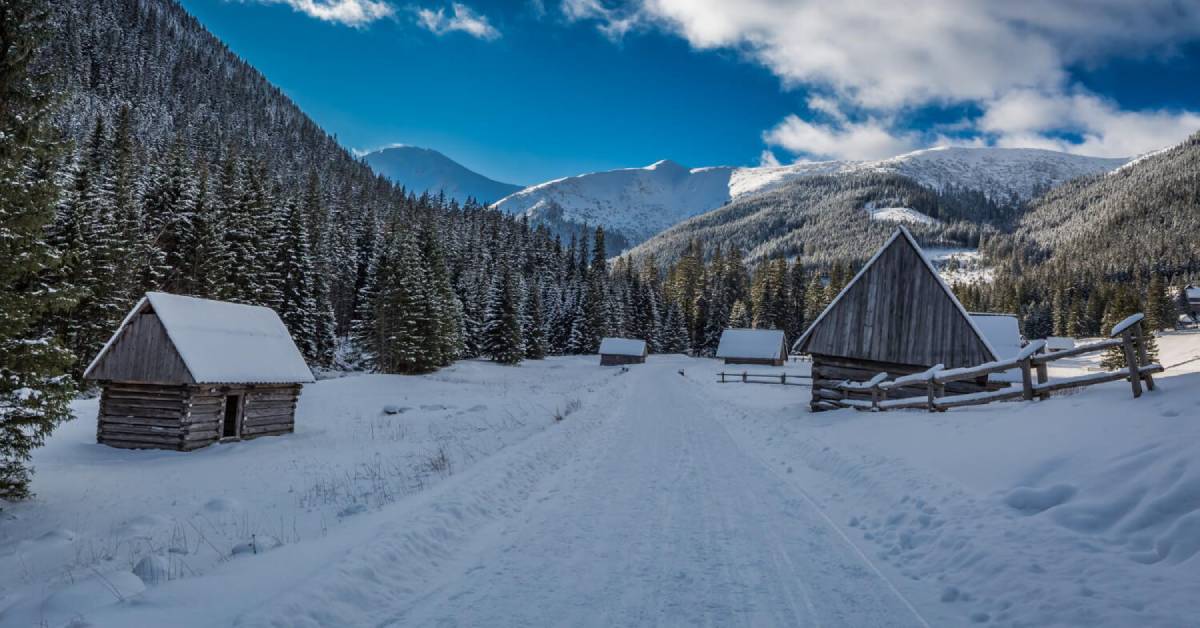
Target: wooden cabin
x=183 y=373
x=753 y=346
x=1192 y=294
x=614 y=351
x=896 y=316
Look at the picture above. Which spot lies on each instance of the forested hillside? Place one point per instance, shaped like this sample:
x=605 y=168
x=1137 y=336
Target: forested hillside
x=1092 y=250
x=825 y=220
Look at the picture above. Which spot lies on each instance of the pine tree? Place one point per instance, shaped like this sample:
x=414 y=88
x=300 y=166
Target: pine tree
x=203 y=252
x=399 y=328
x=34 y=392
x=533 y=323
x=502 y=340
x=1160 y=310
x=446 y=310
x=296 y=305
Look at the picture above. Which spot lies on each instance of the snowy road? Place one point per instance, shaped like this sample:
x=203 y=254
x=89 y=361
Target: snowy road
x=661 y=519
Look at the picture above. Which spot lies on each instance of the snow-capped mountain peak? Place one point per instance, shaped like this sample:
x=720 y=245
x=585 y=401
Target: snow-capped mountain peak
x=640 y=202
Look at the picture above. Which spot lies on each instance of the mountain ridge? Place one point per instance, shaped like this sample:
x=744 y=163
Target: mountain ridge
x=427 y=170
x=639 y=203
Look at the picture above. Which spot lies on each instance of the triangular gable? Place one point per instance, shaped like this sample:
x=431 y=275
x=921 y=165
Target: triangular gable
x=897 y=309
x=140 y=351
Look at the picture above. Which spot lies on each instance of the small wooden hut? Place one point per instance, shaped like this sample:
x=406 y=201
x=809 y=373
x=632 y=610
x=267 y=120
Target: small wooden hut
x=182 y=373
x=753 y=346
x=614 y=351
x=1192 y=294
x=896 y=316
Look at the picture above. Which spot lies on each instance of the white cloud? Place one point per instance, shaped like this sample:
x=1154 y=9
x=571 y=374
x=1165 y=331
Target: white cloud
x=871 y=139
x=613 y=22
x=464 y=20
x=767 y=159
x=1032 y=118
x=883 y=53
x=348 y=12
x=882 y=59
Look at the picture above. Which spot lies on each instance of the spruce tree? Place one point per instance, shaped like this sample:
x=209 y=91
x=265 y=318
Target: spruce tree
x=34 y=390
x=533 y=323
x=294 y=268
x=502 y=340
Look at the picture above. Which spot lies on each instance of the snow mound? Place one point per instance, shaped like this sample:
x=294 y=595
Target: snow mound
x=902 y=214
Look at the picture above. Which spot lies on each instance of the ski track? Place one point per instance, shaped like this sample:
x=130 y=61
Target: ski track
x=661 y=520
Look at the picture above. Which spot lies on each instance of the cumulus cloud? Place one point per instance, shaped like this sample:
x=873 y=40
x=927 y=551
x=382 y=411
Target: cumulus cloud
x=1032 y=118
x=870 y=139
x=882 y=58
x=348 y=12
x=462 y=19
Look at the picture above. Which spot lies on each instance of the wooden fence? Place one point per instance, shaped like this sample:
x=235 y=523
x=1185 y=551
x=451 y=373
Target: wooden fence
x=786 y=379
x=879 y=393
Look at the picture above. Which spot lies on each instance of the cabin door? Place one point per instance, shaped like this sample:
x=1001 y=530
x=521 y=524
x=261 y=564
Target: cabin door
x=230 y=427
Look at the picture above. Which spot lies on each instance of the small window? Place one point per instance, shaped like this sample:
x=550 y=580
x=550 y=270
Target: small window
x=229 y=429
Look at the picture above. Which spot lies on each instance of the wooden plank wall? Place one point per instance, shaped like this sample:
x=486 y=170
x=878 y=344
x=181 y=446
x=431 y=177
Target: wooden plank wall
x=142 y=353
x=614 y=360
x=898 y=313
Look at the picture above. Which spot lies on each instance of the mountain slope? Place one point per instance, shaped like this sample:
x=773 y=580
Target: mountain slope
x=426 y=170
x=1142 y=217
x=640 y=202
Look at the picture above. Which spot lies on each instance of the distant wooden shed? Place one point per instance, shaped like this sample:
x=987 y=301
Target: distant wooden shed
x=182 y=373
x=614 y=351
x=1192 y=294
x=753 y=346
x=896 y=316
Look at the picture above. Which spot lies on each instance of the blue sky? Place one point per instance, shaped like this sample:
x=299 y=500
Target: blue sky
x=525 y=91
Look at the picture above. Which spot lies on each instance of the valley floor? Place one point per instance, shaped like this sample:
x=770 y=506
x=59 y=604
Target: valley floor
x=660 y=498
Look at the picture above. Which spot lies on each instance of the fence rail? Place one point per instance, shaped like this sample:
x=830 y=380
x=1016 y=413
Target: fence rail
x=879 y=393
x=786 y=379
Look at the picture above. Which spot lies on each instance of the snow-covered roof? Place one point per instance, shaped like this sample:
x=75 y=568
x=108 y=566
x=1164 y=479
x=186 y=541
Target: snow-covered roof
x=223 y=343
x=1002 y=331
x=759 y=344
x=1193 y=293
x=622 y=346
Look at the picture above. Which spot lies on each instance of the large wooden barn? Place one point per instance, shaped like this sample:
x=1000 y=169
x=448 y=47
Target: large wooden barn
x=753 y=346
x=898 y=317
x=182 y=373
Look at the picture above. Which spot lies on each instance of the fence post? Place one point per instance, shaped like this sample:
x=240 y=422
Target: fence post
x=1143 y=359
x=722 y=377
x=783 y=378
x=1027 y=379
x=1043 y=376
x=1135 y=376
x=743 y=377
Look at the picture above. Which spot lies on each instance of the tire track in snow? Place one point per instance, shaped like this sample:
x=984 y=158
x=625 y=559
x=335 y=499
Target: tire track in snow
x=828 y=521
x=664 y=521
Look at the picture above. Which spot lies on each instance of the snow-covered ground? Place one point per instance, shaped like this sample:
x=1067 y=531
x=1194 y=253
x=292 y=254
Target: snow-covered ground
x=661 y=497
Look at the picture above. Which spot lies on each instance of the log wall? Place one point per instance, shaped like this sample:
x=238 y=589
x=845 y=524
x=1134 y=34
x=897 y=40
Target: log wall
x=144 y=416
x=613 y=360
